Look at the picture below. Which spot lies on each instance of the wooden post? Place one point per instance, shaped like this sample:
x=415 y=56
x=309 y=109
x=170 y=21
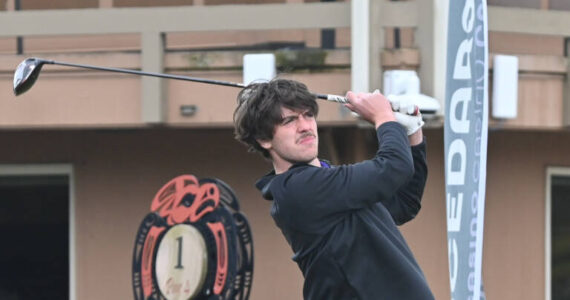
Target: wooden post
x=105 y=3
x=152 y=88
x=377 y=45
x=10 y=5
x=360 y=50
x=431 y=39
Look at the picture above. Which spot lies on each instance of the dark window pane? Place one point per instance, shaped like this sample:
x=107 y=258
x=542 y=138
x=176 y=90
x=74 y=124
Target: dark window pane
x=560 y=237
x=34 y=226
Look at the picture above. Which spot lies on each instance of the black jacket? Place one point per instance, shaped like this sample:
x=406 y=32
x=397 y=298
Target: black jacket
x=341 y=221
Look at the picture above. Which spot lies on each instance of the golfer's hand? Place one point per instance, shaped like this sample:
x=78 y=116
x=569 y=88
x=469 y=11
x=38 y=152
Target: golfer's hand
x=411 y=123
x=372 y=107
x=407 y=113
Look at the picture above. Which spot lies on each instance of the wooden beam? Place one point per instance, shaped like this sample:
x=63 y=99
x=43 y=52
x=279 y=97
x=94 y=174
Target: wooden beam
x=403 y=58
x=176 y=19
x=529 y=21
x=538 y=64
x=399 y=13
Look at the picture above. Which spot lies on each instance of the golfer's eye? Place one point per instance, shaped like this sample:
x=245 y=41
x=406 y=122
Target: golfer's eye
x=309 y=115
x=287 y=120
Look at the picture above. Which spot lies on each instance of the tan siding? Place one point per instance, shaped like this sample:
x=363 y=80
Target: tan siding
x=539 y=103
x=514 y=230
x=116 y=102
x=307 y=37
x=515 y=43
x=8 y=45
x=82 y=43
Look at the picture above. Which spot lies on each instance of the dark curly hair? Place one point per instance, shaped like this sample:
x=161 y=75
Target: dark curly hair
x=259 y=109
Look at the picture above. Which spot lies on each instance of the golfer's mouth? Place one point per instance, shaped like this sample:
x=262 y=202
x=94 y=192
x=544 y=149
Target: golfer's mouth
x=306 y=139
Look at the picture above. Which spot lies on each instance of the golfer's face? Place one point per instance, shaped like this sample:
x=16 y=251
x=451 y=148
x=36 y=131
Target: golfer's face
x=295 y=138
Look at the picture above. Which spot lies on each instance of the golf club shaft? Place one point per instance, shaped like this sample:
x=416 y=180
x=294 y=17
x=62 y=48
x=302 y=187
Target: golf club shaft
x=161 y=75
x=333 y=98
x=328 y=97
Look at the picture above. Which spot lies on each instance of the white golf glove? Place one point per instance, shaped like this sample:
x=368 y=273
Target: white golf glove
x=403 y=111
x=411 y=123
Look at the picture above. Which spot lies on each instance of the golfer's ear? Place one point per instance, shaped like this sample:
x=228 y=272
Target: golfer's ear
x=265 y=144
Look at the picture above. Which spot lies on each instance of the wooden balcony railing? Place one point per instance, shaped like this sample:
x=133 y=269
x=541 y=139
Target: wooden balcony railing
x=425 y=17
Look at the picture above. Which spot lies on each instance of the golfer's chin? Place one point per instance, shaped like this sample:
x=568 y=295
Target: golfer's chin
x=307 y=156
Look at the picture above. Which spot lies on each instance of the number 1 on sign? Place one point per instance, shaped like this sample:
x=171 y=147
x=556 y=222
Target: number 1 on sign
x=179 y=265
x=181 y=276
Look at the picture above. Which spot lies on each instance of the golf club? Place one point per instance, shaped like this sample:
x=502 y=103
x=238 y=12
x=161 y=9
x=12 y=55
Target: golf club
x=28 y=72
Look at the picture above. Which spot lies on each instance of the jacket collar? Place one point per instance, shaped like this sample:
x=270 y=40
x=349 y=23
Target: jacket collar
x=264 y=183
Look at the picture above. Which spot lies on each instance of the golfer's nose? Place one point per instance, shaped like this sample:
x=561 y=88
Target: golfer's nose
x=303 y=123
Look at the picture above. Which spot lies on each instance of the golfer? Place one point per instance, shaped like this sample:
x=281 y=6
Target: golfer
x=340 y=221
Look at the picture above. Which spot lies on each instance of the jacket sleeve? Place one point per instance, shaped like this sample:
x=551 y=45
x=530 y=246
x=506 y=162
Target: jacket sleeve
x=311 y=199
x=406 y=204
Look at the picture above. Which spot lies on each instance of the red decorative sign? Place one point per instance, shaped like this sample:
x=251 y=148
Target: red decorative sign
x=194 y=244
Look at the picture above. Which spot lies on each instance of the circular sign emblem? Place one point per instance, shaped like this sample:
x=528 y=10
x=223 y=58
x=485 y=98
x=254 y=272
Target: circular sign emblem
x=194 y=244
x=181 y=262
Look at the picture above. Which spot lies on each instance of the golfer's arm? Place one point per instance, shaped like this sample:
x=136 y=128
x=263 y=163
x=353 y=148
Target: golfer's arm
x=315 y=196
x=416 y=138
x=406 y=204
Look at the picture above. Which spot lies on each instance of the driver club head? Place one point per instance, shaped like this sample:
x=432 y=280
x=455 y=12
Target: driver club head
x=26 y=74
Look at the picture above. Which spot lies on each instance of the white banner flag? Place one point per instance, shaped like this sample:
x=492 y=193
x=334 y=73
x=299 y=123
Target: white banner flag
x=465 y=132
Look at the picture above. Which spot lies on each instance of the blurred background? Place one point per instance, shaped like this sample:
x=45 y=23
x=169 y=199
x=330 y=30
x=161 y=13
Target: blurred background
x=84 y=152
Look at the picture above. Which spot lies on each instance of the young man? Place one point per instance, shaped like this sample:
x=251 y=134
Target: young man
x=340 y=221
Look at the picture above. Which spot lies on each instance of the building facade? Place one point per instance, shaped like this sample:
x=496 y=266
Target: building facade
x=105 y=143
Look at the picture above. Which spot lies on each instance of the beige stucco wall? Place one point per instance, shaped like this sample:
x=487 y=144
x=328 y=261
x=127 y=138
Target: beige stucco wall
x=514 y=240
x=117 y=172
x=111 y=100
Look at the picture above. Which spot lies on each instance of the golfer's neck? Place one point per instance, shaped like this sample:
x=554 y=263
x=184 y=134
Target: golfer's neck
x=281 y=165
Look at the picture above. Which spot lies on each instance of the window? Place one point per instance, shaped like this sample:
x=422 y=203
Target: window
x=37 y=253
x=558 y=234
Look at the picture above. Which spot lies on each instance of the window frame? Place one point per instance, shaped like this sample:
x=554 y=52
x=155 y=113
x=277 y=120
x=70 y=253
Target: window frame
x=53 y=169
x=550 y=172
